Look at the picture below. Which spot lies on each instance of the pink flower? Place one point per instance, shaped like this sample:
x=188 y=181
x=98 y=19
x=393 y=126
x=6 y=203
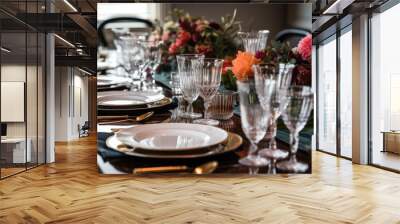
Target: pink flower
x=154 y=37
x=304 y=47
x=165 y=36
x=200 y=25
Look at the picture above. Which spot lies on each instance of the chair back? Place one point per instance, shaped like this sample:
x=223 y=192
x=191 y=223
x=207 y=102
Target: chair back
x=131 y=24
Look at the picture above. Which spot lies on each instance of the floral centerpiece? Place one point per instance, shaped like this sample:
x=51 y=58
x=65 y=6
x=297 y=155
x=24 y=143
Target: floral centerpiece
x=277 y=52
x=185 y=34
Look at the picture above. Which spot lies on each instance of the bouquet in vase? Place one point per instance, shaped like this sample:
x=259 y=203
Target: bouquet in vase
x=182 y=33
x=274 y=54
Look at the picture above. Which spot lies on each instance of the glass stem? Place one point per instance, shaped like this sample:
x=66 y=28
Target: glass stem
x=294 y=144
x=273 y=128
x=271 y=168
x=190 y=108
x=206 y=106
x=253 y=149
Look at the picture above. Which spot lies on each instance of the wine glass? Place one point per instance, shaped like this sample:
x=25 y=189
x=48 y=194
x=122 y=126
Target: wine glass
x=271 y=83
x=299 y=100
x=254 y=122
x=176 y=93
x=208 y=79
x=133 y=57
x=254 y=41
x=187 y=76
x=151 y=50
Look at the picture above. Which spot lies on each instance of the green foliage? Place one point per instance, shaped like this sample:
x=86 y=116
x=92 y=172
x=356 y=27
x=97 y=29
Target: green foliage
x=279 y=52
x=228 y=80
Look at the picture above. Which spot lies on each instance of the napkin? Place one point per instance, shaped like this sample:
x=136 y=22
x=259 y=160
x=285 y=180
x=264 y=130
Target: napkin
x=102 y=149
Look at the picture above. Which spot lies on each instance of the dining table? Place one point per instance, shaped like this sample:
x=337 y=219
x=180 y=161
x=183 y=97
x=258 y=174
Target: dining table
x=114 y=162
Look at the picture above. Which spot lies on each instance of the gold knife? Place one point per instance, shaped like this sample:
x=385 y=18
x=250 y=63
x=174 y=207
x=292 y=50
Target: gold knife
x=160 y=169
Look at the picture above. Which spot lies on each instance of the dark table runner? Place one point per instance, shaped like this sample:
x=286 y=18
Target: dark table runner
x=126 y=164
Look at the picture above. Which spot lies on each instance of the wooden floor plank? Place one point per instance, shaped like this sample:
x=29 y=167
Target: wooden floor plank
x=72 y=191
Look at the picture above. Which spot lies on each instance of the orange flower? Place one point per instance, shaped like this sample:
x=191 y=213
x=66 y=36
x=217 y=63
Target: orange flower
x=242 y=65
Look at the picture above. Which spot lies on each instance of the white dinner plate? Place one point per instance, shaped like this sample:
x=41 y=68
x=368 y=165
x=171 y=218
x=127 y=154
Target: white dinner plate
x=125 y=92
x=125 y=98
x=107 y=80
x=172 y=136
x=232 y=143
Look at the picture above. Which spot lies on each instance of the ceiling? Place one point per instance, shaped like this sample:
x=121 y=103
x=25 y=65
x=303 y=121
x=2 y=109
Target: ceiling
x=75 y=20
x=328 y=15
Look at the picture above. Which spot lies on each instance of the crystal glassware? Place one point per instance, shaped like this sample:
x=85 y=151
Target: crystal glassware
x=176 y=92
x=118 y=43
x=254 y=122
x=271 y=82
x=134 y=56
x=299 y=104
x=208 y=79
x=222 y=105
x=151 y=50
x=190 y=90
x=254 y=41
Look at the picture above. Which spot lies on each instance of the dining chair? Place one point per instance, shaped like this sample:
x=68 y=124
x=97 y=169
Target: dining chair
x=132 y=23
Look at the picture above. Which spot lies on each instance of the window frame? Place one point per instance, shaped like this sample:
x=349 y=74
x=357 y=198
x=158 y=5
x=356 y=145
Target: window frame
x=335 y=36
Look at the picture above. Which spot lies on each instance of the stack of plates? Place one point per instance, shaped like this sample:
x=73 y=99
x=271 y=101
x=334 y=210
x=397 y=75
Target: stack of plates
x=110 y=82
x=125 y=101
x=174 y=140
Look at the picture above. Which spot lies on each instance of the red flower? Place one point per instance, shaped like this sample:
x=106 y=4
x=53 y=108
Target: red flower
x=203 y=49
x=304 y=47
x=260 y=55
x=227 y=65
x=173 y=48
x=196 y=37
x=184 y=24
x=183 y=38
x=302 y=75
x=215 y=26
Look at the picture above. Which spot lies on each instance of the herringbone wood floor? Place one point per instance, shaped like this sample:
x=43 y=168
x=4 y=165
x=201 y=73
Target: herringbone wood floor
x=71 y=191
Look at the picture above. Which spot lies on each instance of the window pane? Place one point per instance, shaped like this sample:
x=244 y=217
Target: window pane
x=385 y=84
x=14 y=150
x=346 y=94
x=327 y=97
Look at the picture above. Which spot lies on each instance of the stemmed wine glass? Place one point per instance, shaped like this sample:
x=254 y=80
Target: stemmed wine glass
x=134 y=56
x=208 y=79
x=254 y=122
x=177 y=94
x=299 y=103
x=254 y=41
x=152 y=56
x=187 y=76
x=118 y=43
x=271 y=83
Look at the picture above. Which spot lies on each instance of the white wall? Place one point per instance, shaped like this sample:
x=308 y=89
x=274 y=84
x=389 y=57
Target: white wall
x=33 y=126
x=71 y=102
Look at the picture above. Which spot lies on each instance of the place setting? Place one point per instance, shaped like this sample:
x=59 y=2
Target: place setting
x=208 y=111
